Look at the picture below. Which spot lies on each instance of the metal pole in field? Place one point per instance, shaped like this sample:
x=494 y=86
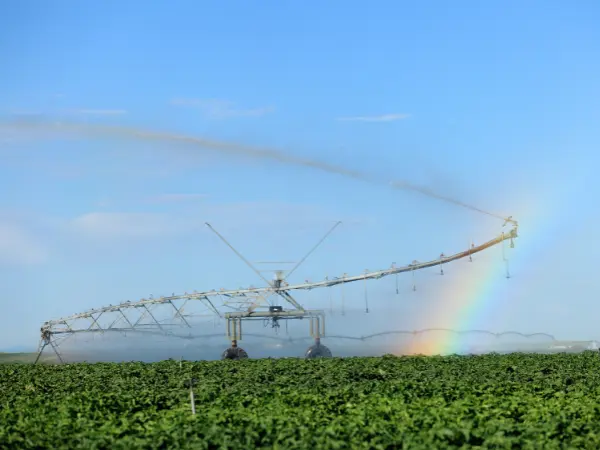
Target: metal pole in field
x=192 y=401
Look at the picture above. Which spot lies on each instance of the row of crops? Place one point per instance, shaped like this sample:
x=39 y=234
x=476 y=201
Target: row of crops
x=491 y=401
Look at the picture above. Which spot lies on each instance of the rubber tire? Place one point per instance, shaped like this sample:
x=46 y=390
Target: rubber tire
x=234 y=353
x=318 y=351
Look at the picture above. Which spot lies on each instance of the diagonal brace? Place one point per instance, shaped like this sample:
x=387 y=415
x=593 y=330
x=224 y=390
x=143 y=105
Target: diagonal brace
x=154 y=318
x=178 y=313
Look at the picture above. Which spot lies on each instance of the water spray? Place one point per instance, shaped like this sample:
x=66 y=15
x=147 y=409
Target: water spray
x=235 y=149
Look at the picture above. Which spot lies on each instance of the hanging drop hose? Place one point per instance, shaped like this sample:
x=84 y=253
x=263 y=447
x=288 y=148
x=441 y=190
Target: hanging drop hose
x=366 y=295
x=343 y=299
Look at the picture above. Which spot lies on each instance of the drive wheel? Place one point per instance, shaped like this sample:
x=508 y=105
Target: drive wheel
x=234 y=353
x=318 y=351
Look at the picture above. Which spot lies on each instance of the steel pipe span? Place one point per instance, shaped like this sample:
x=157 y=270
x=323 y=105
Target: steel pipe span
x=208 y=298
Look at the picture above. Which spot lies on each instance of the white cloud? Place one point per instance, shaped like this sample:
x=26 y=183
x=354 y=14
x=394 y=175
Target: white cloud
x=221 y=109
x=20 y=131
x=19 y=247
x=129 y=225
x=381 y=118
x=176 y=198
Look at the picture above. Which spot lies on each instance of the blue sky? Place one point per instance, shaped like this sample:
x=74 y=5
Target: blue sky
x=494 y=103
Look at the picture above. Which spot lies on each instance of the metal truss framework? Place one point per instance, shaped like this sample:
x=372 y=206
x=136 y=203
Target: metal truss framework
x=244 y=304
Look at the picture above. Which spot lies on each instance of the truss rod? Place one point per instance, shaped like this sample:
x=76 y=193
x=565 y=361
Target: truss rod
x=313 y=249
x=53 y=345
x=248 y=263
x=215 y=310
x=178 y=313
x=90 y=315
x=113 y=322
x=154 y=318
x=142 y=315
x=286 y=295
x=126 y=319
x=95 y=320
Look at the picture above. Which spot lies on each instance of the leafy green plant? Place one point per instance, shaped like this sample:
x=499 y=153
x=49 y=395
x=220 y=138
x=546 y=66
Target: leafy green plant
x=492 y=401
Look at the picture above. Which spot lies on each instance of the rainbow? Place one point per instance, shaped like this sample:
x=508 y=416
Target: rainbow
x=466 y=301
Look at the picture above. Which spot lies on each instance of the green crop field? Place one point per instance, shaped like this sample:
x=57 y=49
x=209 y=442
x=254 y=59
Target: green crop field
x=492 y=401
x=24 y=358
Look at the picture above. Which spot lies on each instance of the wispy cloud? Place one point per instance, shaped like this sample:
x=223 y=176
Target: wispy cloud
x=19 y=247
x=176 y=198
x=31 y=114
x=231 y=216
x=25 y=113
x=28 y=239
x=221 y=109
x=381 y=118
x=99 y=112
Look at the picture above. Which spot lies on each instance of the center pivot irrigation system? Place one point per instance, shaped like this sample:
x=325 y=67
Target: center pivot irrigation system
x=244 y=304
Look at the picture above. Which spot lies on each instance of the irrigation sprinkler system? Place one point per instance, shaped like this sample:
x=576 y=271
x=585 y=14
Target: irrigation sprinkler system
x=272 y=303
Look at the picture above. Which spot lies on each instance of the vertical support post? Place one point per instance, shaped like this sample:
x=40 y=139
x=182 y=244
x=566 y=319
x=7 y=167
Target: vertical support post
x=317 y=326
x=234 y=328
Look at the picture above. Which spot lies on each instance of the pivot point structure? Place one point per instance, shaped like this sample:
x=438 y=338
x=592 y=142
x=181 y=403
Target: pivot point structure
x=275 y=313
